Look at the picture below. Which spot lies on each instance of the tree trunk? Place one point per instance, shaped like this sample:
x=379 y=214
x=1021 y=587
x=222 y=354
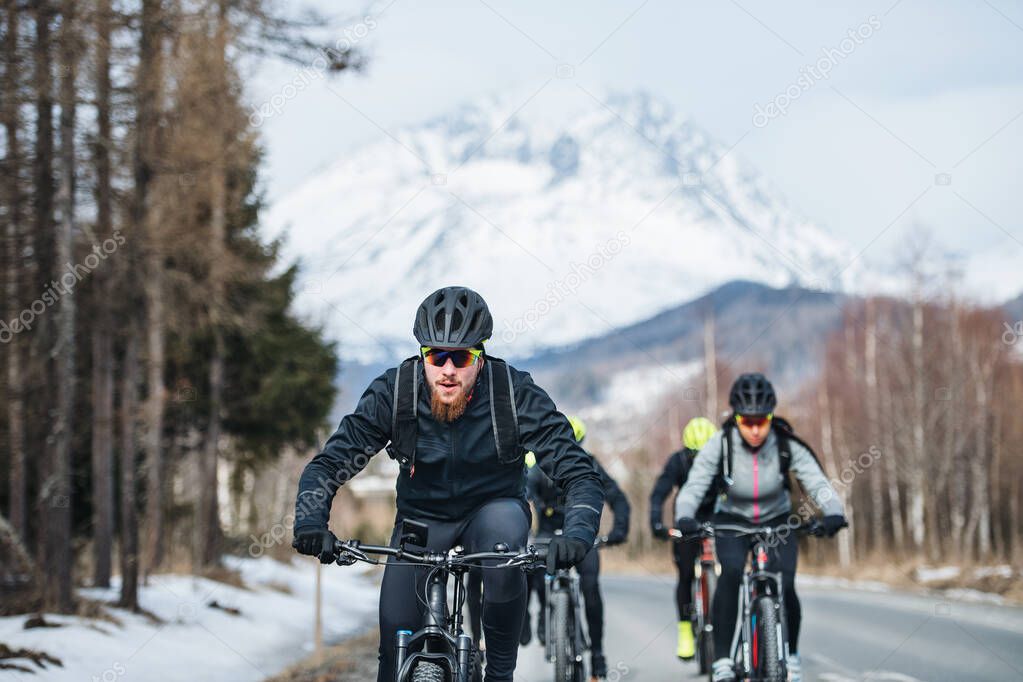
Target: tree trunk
x=155 y=404
x=997 y=490
x=209 y=526
x=60 y=540
x=208 y=516
x=845 y=539
x=102 y=346
x=952 y=475
x=39 y=273
x=102 y=454
x=978 y=528
x=148 y=87
x=877 y=516
x=917 y=490
x=1015 y=547
x=129 y=517
x=891 y=465
x=13 y=295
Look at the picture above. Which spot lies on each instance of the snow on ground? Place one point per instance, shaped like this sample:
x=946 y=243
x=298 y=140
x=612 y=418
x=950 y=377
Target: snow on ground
x=843 y=583
x=1003 y=571
x=196 y=642
x=923 y=575
x=927 y=574
x=963 y=594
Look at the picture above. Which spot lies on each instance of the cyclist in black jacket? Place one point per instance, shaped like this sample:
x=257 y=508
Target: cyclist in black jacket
x=549 y=502
x=458 y=478
x=697 y=431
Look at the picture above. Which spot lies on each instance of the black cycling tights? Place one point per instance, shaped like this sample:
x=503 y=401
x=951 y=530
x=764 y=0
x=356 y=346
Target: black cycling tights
x=685 y=555
x=732 y=553
x=589 y=585
x=401 y=594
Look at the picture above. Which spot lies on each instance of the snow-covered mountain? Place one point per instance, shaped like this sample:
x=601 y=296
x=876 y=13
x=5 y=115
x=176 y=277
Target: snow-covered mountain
x=569 y=224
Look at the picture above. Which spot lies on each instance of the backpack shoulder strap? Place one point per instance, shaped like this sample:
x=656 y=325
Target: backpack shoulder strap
x=404 y=420
x=503 y=414
x=725 y=466
x=786 y=434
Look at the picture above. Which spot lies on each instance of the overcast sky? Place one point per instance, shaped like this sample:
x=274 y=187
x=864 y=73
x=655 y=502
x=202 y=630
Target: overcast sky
x=918 y=123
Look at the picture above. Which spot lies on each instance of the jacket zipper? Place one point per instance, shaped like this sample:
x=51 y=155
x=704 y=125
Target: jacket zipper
x=756 y=489
x=451 y=460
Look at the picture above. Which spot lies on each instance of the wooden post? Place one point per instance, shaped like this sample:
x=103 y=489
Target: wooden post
x=318 y=625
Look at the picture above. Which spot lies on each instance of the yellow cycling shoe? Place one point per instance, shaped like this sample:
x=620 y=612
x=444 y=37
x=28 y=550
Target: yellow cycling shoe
x=686 y=644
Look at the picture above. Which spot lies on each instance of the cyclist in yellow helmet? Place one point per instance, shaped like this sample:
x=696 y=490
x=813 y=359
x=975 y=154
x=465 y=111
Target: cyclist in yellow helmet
x=551 y=510
x=697 y=432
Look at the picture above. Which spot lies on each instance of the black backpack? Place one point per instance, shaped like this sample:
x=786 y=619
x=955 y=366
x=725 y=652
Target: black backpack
x=405 y=422
x=783 y=432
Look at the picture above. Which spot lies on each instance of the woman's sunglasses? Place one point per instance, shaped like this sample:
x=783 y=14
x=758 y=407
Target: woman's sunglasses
x=753 y=419
x=460 y=358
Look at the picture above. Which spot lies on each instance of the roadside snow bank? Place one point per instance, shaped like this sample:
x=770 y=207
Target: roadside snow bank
x=274 y=626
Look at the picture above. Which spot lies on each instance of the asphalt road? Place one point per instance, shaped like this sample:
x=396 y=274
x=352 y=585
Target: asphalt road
x=847 y=635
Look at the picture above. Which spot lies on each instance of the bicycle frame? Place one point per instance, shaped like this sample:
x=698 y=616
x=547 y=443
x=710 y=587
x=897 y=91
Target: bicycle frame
x=702 y=598
x=757 y=581
x=566 y=579
x=441 y=636
x=440 y=626
x=703 y=629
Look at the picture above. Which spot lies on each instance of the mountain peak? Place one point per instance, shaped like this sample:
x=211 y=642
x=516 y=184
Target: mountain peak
x=569 y=220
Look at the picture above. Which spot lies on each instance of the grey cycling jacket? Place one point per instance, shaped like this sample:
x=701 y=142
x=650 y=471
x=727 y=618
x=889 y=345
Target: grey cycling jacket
x=757 y=491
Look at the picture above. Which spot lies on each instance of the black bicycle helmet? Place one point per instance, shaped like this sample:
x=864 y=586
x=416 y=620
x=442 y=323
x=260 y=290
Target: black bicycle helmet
x=752 y=394
x=453 y=317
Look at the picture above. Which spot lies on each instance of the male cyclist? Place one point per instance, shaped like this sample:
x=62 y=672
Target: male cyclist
x=752 y=460
x=549 y=502
x=696 y=432
x=458 y=423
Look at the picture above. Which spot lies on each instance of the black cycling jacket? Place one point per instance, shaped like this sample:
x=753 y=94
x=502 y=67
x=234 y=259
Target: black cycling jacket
x=673 y=476
x=551 y=504
x=456 y=465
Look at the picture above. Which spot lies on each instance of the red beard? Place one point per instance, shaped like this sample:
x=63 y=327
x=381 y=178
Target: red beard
x=449 y=412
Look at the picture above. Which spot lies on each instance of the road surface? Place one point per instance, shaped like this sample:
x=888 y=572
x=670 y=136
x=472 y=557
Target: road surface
x=847 y=635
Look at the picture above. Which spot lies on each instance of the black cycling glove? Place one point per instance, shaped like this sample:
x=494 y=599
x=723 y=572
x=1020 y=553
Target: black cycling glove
x=317 y=542
x=688 y=526
x=564 y=552
x=832 y=524
x=659 y=531
x=616 y=538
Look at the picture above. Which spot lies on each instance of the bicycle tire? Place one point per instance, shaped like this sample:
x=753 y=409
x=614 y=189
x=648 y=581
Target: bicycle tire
x=704 y=638
x=476 y=674
x=429 y=672
x=767 y=662
x=564 y=641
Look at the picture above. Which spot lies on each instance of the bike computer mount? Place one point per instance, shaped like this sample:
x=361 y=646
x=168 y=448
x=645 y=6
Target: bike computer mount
x=414 y=533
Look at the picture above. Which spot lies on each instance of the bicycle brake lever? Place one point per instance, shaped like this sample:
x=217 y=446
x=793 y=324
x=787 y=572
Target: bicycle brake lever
x=345 y=558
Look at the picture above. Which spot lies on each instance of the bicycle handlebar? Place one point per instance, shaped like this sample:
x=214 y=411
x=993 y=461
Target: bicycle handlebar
x=350 y=551
x=598 y=543
x=707 y=530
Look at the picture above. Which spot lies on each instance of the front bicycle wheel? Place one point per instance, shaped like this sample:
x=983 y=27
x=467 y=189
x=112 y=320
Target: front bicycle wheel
x=701 y=626
x=564 y=642
x=428 y=672
x=766 y=663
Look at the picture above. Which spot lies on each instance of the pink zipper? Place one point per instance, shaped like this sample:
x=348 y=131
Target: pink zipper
x=756 y=489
